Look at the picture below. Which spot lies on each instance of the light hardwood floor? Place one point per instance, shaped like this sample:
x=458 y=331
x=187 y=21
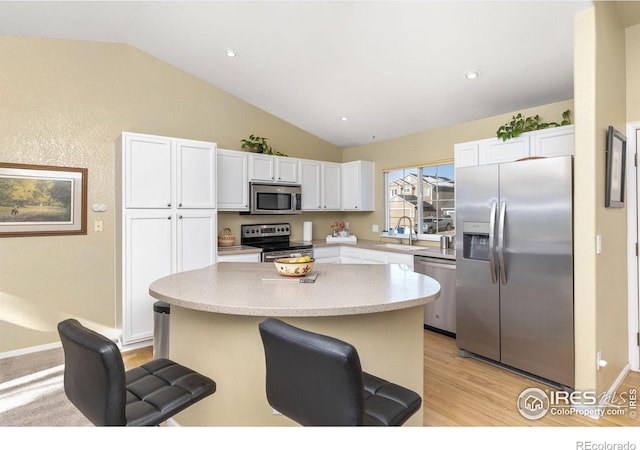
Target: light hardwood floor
x=467 y=392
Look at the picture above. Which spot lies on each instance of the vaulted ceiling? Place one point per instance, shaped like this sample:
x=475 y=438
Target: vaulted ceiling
x=349 y=72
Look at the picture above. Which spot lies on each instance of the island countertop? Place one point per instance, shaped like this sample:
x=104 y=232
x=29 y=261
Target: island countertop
x=256 y=289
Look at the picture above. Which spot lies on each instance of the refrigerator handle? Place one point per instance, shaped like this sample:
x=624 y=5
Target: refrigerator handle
x=492 y=257
x=503 y=271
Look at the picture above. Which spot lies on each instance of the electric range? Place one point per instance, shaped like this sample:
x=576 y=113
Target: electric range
x=274 y=240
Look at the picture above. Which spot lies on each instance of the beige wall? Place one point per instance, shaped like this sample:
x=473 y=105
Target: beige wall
x=601 y=300
x=633 y=73
x=65 y=103
x=611 y=223
x=584 y=201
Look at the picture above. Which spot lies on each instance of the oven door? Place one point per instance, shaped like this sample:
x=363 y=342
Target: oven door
x=272 y=256
x=275 y=199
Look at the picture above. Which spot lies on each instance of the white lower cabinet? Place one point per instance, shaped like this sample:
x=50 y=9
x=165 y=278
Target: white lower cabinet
x=327 y=255
x=148 y=255
x=152 y=245
x=196 y=239
x=239 y=257
x=353 y=255
x=350 y=255
x=375 y=257
x=401 y=258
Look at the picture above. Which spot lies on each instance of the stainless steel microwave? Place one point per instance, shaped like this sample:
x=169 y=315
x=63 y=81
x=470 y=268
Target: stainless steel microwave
x=275 y=198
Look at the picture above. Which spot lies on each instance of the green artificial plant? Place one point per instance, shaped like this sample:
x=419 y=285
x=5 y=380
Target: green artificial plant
x=520 y=124
x=258 y=144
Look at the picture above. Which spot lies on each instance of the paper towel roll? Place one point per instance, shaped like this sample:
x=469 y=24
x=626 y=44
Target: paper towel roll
x=307 y=235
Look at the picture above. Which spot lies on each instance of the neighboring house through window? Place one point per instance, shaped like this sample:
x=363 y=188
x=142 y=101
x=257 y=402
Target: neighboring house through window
x=425 y=194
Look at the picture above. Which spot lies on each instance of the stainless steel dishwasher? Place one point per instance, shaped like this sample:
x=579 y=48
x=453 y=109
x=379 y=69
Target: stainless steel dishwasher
x=439 y=315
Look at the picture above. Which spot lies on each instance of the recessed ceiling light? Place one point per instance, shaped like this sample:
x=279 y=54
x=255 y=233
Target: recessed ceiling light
x=344 y=118
x=472 y=74
x=230 y=53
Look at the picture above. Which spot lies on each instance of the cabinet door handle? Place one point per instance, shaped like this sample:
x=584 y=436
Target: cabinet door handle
x=169 y=218
x=180 y=217
x=169 y=205
x=180 y=205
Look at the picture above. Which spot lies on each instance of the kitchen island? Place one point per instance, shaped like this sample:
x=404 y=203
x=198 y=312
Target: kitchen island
x=215 y=312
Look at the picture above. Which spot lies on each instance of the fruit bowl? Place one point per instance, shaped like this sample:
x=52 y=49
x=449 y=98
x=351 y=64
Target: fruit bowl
x=294 y=267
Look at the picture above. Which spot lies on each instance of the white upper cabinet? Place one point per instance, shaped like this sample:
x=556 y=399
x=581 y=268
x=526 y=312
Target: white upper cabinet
x=311 y=184
x=161 y=172
x=358 y=186
x=233 y=180
x=466 y=154
x=196 y=174
x=320 y=183
x=286 y=169
x=261 y=167
x=556 y=141
x=492 y=151
x=331 y=186
x=148 y=174
x=269 y=168
x=553 y=142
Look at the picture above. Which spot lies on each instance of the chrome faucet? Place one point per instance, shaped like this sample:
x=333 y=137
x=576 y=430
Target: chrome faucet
x=410 y=228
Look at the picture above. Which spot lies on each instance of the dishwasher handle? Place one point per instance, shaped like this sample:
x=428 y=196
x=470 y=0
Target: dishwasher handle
x=435 y=263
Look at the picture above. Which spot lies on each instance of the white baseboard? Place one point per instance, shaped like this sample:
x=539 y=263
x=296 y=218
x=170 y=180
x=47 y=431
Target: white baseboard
x=28 y=350
x=111 y=333
x=604 y=399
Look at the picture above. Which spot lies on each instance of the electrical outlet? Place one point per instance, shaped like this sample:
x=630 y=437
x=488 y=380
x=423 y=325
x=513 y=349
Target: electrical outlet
x=600 y=363
x=97 y=226
x=374 y=228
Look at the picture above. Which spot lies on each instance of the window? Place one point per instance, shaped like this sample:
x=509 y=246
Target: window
x=424 y=194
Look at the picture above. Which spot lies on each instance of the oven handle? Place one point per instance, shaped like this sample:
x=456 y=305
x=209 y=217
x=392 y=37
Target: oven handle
x=272 y=256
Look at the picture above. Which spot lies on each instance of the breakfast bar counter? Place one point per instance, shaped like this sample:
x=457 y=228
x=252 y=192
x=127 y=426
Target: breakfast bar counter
x=215 y=312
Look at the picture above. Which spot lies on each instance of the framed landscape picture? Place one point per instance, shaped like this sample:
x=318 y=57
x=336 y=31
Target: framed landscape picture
x=42 y=200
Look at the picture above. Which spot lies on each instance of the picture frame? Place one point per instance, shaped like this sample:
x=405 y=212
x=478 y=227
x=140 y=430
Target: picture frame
x=42 y=200
x=616 y=165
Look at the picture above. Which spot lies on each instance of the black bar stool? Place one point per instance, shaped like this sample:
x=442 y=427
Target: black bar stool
x=317 y=380
x=97 y=384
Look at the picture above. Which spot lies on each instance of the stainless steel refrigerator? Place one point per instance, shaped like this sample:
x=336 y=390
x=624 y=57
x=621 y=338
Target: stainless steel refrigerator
x=514 y=272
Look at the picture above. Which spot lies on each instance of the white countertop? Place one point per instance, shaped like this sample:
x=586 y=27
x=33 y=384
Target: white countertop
x=340 y=289
x=387 y=246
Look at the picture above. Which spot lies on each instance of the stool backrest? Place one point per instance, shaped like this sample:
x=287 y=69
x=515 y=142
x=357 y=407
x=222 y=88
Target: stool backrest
x=94 y=375
x=311 y=378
